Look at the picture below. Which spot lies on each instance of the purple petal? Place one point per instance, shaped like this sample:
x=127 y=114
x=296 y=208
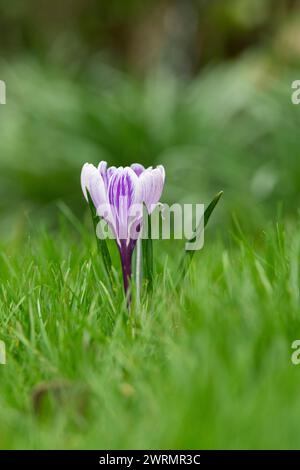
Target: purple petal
x=110 y=172
x=102 y=167
x=137 y=168
x=124 y=192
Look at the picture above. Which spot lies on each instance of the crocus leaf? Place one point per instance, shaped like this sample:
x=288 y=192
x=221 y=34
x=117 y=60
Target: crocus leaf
x=209 y=210
x=147 y=249
x=189 y=254
x=102 y=244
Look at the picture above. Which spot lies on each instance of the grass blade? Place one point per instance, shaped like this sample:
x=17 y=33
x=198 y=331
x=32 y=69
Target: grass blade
x=147 y=250
x=138 y=271
x=186 y=260
x=209 y=210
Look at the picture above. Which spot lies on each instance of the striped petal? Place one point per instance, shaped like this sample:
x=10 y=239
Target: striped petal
x=102 y=168
x=124 y=193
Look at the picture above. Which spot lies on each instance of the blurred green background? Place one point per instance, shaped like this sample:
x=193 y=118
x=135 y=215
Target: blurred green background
x=203 y=87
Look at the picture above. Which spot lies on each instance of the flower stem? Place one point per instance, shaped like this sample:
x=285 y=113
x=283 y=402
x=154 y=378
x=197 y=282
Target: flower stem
x=126 y=256
x=138 y=270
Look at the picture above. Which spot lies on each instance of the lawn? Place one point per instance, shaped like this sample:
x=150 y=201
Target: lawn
x=205 y=365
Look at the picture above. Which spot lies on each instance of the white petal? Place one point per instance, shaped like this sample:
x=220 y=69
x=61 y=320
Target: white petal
x=163 y=172
x=152 y=184
x=87 y=171
x=98 y=192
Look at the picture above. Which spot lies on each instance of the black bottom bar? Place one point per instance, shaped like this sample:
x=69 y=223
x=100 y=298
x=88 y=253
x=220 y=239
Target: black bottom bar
x=133 y=458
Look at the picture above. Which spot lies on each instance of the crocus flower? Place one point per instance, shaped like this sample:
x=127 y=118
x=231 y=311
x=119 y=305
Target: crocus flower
x=118 y=195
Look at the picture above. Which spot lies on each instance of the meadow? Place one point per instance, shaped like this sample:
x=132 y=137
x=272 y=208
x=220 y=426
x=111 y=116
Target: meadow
x=205 y=365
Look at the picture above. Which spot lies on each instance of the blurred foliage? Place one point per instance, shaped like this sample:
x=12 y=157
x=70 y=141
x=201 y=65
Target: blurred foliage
x=205 y=91
x=136 y=35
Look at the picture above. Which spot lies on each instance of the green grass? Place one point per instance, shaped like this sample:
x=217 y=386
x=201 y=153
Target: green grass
x=205 y=366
